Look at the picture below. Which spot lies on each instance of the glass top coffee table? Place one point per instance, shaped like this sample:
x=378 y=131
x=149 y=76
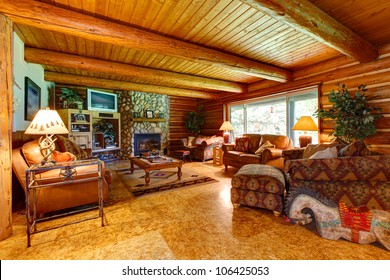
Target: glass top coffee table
x=155 y=163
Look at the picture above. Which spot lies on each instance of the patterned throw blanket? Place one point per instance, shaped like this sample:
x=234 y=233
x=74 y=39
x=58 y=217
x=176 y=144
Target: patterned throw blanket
x=356 y=218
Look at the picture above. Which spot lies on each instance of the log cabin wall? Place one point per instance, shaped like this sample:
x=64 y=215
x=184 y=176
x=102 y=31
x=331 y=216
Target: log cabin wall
x=375 y=75
x=179 y=109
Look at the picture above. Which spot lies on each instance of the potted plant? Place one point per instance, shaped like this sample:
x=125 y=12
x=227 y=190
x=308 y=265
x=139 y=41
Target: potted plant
x=72 y=98
x=352 y=114
x=195 y=120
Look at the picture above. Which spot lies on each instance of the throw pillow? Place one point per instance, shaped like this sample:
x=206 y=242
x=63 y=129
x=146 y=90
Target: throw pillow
x=242 y=144
x=32 y=153
x=355 y=149
x=66 y=145
x=327 y=153
x=62 y=157
x=190 y=141
x=311 y=149
x=264 y=146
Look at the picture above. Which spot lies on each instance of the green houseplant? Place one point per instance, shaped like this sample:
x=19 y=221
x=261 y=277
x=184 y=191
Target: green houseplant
x=195 y=120
x=72 y=97
x=352 y=114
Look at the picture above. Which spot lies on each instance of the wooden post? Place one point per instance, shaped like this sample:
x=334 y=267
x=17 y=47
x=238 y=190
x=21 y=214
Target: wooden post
x=5 y=127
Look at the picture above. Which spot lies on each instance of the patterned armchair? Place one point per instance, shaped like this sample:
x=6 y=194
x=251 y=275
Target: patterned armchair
x=355 y=176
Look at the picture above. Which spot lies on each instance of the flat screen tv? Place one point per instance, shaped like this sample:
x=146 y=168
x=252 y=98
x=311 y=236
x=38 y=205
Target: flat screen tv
x=102 y=101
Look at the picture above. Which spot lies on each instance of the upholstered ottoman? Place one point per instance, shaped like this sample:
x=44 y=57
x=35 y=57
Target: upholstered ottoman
x=260 y=186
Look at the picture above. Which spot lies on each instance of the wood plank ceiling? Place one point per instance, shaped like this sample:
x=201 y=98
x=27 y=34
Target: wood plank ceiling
x=243 y=32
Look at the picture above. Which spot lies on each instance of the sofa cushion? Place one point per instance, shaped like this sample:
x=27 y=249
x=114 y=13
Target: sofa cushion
x=32 y=153
x=280 y=141
x=327 y=153
x=213 y=140
x=66 y=145
x=249 y=158
x=242 y=144
x=254 y=142
x=264 y=146
x=63 y=157
x=355 y=149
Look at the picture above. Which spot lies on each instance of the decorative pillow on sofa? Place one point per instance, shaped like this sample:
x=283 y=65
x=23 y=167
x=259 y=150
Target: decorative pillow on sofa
x=355 y=149
x=265 y=145
x=327 y=153
x=62 y=157
x=32 y=153
x=311 y=149
x=66 y=145
x=242 y=144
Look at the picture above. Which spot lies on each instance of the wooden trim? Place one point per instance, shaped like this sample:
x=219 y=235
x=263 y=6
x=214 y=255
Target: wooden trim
x=120 y=85
x=58 y=59
x=6 y=127
x=307 y=18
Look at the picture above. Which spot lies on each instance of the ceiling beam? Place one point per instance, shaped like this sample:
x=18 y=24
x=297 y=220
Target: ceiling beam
x=120 y=85
x=148 y=75
x=307 y=18
x=50 y=17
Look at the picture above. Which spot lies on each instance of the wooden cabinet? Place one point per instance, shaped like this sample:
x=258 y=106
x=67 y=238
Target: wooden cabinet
x=98 y=131
x=79 y=124
x=106 y=135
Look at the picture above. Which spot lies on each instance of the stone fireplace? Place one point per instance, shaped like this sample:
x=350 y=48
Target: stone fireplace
x=144 y=142
x=131 y=102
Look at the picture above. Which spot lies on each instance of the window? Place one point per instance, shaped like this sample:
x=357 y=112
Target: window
x=275 y=115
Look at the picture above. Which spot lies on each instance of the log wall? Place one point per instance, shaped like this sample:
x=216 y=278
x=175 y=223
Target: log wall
x=375 y=75
x=179 y=109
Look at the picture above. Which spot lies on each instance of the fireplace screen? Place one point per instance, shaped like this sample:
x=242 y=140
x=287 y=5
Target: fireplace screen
x=145 y=142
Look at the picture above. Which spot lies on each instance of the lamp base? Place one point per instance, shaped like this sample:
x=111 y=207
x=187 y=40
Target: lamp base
x=47 y=146
x=226 y=137
x=304 y=140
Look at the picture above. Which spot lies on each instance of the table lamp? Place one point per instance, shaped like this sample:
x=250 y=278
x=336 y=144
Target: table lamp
x=305 y=123
x=226 y=126
x=46 y=122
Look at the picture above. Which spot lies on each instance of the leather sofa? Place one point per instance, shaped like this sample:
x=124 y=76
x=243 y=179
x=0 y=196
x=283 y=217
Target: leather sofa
x=59 y=197
x=355 y=176
x=236 y=157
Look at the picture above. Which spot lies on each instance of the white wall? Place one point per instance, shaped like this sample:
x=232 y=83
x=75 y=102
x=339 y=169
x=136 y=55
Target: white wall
x=21 y=69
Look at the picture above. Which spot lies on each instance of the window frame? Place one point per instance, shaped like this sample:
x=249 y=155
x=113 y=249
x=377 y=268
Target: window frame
x=287 y=95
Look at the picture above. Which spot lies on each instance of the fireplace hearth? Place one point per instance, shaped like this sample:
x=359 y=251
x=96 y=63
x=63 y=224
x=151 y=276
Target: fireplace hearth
x=144 y=142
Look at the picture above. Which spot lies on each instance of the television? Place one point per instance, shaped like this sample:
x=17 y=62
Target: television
x=102 y=101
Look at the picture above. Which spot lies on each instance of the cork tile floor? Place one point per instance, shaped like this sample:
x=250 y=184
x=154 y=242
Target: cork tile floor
x=190 y=223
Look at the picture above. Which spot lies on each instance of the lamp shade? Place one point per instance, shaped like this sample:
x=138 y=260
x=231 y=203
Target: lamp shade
x=47 y=122
x=226 y=126
x=305 y=123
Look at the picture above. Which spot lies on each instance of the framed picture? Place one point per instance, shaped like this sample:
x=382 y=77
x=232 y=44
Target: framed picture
x=149 y=114
x=32 y=93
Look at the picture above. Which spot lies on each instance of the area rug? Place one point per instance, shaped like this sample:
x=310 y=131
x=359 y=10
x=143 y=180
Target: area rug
x=160 y=180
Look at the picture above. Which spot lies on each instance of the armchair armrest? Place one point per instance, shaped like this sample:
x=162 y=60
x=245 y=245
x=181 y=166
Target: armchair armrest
x=296 y=153
x=227 y=147
x=271 y=153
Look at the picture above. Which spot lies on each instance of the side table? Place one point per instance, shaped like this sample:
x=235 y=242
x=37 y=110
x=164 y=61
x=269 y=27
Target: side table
x=217 y=155
x=67 y=173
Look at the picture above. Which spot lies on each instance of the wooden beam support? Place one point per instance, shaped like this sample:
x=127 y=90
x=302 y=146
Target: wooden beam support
x=307 y=18
x=58 y=59
x=120 y=85
x=50 y=17
x=6 y=127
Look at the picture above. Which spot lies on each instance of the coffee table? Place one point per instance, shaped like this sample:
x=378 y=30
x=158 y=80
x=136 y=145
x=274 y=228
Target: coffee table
x=149 y=164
